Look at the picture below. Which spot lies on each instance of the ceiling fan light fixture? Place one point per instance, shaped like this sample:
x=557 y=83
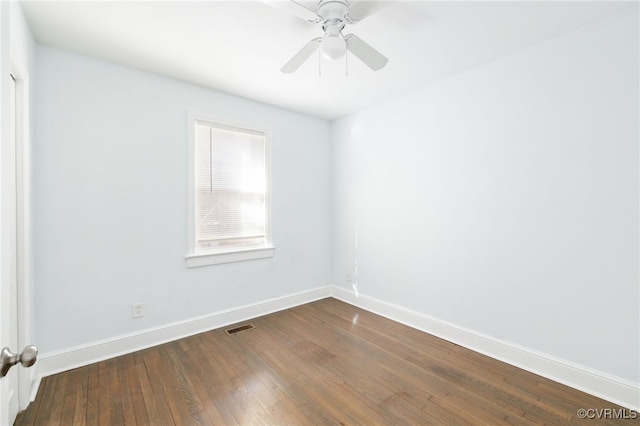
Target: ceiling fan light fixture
x=333 y=46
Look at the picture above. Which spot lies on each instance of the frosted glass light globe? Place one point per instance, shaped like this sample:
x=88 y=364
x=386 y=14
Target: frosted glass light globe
x=333 y=46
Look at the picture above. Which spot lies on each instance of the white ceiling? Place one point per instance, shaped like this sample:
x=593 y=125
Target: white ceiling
x=238 y=47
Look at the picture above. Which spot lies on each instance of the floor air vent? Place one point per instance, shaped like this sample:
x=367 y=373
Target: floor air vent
x=236 y=330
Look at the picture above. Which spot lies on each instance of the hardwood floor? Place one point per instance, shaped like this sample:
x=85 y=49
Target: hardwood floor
x=326 y=362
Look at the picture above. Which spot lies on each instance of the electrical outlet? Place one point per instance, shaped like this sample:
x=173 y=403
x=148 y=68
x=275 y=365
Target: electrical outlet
x=137 y=310
x=349 y=278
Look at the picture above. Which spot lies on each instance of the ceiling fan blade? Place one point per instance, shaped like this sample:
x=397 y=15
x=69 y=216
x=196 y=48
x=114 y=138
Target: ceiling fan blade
x=299 y=58
x=363 y=8
x=311 y=6
x=367 y=54
x=302 y=9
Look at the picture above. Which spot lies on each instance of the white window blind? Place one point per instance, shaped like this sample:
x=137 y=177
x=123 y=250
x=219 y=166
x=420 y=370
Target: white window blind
x=231 y=183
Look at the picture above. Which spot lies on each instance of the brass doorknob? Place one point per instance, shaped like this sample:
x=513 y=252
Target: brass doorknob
x=27 y=358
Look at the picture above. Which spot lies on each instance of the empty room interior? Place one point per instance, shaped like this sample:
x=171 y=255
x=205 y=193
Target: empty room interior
x=320 y=212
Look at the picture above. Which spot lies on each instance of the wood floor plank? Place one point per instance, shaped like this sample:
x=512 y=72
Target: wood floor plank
x=325 y=362
x=57 y=399
x=80 y=396
x=28 y=417
x=115 y=403
x=154 y=369
x=37 y=413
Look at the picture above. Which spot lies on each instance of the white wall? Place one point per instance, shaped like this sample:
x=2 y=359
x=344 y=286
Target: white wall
x=110 y=202
x=505 y=199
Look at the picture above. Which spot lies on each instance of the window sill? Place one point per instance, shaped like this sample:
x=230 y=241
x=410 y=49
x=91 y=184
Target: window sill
x=216 y=258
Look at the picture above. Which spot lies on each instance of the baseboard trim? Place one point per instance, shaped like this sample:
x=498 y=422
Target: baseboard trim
x=597 y=383
x=606 y=386
x=78 y=356
x=33 y=390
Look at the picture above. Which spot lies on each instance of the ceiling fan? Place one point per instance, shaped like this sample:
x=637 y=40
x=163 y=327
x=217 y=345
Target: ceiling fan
x=334 y=15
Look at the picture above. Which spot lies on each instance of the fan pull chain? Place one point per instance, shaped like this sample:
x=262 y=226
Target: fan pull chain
x=346 y=64
x=319 y=64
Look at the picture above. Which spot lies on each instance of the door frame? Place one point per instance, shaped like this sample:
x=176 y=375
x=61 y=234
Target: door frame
x=27 y=377
x=12 y=63
x=5 y=117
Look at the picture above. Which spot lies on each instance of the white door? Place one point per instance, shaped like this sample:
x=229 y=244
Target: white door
x=8 y=263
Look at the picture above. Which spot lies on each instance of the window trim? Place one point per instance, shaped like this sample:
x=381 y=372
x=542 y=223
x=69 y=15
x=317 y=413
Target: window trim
x=194 y=257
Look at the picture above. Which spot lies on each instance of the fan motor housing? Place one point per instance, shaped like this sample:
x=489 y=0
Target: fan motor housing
x=333 y=10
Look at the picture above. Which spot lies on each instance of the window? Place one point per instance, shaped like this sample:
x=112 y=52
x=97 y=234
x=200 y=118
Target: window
x=228 y=193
